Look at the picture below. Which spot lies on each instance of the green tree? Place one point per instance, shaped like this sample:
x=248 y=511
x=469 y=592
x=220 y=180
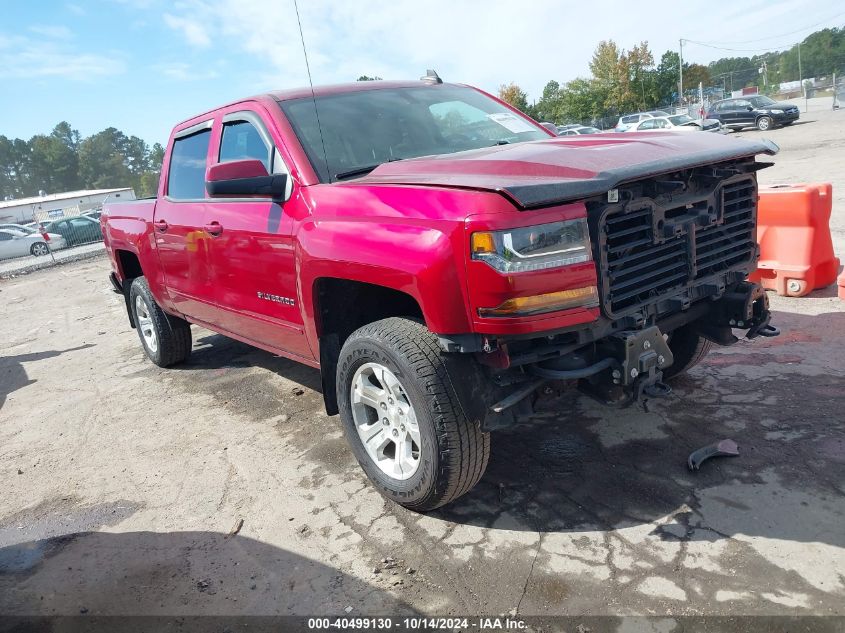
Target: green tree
x=550 y=106
x=666 y=78
x=366 y=78
x=14 y=168
x=102 y=162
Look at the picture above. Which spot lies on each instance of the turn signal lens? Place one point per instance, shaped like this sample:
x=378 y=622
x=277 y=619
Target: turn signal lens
x=483 y=243
x=539 y=304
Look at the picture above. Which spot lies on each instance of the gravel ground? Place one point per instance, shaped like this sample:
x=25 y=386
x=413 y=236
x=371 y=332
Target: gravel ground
x=124 y=483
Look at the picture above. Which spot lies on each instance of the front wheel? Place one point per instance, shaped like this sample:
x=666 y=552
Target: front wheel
x=402 y=417
x=39 y=249
x=166 y=339
x=764 y=123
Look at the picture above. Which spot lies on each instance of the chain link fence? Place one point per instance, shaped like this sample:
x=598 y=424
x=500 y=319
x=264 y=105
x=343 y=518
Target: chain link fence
x=51 y=237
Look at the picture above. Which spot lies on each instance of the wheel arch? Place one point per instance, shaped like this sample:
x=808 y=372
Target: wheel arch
x=128 y=268
x=341 y=306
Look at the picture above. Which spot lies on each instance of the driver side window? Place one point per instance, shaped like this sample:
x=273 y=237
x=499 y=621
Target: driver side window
x=5 y=237
x=241 y=140
x=648 y=124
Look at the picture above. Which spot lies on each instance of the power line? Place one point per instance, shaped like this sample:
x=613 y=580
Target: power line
x=743 y=50
x=774 y=37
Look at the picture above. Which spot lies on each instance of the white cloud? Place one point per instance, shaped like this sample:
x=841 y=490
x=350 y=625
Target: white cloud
x=191 y=28
x=75 y=8
x=52 y=31
x=27 y=58
x=181 y=71
x=485 y=44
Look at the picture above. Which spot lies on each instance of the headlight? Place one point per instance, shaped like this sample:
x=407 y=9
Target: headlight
x=532 y=248
x=776 y=111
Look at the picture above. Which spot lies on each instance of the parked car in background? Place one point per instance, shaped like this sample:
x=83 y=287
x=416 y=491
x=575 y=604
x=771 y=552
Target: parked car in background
x=77 y=230
x=629 y=120
x=26 y=230
x=568 y=126
x=551 y=127
x=580 y=129
x=19 y=244
x=94 y=214
x=677 y=123
x=758 y=111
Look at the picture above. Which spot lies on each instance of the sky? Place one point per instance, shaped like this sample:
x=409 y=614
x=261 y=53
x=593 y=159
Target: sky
x=143 y=65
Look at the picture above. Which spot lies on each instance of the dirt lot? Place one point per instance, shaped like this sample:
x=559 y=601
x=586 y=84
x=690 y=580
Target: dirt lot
x=122 y=481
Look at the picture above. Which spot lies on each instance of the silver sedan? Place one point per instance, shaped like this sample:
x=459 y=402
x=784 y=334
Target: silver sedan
x=17 y=244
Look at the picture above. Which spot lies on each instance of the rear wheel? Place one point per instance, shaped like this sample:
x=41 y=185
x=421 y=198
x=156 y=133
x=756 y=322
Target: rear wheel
x=688 y=348
x=764 y=123
x=39 y=249
x=402 y=417
x=166 y=338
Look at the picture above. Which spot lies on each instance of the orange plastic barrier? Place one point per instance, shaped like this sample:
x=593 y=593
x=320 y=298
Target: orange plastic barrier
x=793 y=230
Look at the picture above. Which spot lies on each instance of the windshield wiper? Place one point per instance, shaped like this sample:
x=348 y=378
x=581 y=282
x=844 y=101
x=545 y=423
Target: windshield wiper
x=501 y=142
x=360 y=171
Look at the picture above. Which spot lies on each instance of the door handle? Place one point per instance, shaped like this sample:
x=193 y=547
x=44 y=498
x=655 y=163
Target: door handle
x=161 y=225
x=214 y=228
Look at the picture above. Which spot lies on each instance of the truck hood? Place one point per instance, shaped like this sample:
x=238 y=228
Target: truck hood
x=542 y=173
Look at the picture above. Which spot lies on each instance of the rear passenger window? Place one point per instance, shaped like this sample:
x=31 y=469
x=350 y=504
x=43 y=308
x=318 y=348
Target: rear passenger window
x=241 y=140
x=186 y=178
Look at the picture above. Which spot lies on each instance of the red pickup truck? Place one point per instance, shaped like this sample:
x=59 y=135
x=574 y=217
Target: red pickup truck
x=439 y=256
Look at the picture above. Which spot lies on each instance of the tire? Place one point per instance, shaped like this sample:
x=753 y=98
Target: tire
x=688 y=348
x=39 y=249
x=166 y=339
x=765 y=123
x=452 y=451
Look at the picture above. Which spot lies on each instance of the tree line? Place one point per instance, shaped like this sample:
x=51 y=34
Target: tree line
x=623 y=81
x=64 y=161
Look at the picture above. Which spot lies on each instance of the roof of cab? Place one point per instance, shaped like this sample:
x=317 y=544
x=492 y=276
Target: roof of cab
x=356 y=86
x=319 y=91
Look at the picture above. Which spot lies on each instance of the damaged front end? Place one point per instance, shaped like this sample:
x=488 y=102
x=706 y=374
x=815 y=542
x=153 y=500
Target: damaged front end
x=672 y=252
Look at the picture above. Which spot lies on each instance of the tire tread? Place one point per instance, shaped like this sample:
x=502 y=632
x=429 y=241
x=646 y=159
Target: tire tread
x=464 y=448
x=174 y=333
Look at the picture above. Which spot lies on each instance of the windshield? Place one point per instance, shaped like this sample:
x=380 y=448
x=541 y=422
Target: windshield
x=761 y=102
x=361 y=130
x=681 y=119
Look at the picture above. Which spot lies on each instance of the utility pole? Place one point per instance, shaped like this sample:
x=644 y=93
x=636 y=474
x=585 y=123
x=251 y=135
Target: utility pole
x=801 y=77
x=681 y=72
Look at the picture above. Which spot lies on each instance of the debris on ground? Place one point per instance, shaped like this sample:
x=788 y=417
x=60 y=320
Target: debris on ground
x=723 y=448
x=236 y=528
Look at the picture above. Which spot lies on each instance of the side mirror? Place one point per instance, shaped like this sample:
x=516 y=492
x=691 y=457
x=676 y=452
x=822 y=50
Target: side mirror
x=749 y=108
x=244 y=178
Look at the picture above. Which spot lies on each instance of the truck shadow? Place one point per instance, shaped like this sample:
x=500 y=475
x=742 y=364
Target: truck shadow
x=218 y=352
x=174 y=574
x=13 y=375
x=598 y=469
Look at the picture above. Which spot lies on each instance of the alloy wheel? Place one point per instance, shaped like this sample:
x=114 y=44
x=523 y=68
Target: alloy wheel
x=386 y=421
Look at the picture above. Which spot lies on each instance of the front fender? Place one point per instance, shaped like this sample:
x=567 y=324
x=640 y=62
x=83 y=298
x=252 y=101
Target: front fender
x=421 y=260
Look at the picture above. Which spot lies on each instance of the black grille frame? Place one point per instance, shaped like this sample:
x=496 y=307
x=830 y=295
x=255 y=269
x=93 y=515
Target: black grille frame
x=682 y=250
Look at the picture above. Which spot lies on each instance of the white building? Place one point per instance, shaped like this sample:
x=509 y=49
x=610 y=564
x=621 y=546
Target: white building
x=59 y=205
